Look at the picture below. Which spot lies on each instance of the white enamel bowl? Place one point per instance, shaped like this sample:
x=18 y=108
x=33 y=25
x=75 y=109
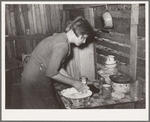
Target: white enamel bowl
x=111 y=65
x=110 y=62
x=122 y=88
x=74 y=99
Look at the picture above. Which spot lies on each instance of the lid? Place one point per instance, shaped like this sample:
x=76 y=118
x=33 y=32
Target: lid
x=120 y=78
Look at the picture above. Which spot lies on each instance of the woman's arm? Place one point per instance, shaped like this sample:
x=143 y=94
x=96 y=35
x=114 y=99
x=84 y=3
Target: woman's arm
x=70 y=81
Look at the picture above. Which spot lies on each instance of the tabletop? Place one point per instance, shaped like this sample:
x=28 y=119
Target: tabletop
x=96 y=100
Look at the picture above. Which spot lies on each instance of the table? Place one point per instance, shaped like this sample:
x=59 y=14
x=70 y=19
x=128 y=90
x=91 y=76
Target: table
x=97 y=101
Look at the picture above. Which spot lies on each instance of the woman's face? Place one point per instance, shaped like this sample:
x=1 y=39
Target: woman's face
x=80 y=40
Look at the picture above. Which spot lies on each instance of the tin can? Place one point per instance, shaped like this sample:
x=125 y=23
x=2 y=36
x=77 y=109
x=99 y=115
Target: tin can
x=101 y=82
x=106 y=90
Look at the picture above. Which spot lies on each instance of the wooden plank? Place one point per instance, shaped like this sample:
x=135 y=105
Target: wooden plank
x=89 y=15
x=18 y=20
x=38 y=19
x=61 y=21
x=21 y=37
x=8 y=24
x=76 y=56
x=115 y=46
x=18 y=48
x=29 y=46
x=53 y=18
x=25 y=16
x=72 y=64
x=22 y=44
x=43 y=23
x=30 y=17
x=12 y=49
x=67 y=15
x=14 y=45
x=34 y=18
x=101 y=59
x=58 y=7
x=64 y=20
x=121 y=38
x=12 y=20
x=57 y=17
x=80 y=6
x=45 y=16
x=60 y=17
x=120 y=47
x=22 y=19
x=48 y=13
x=87 y=59
x=9 y=49
x=133 y=40
x=34 y=44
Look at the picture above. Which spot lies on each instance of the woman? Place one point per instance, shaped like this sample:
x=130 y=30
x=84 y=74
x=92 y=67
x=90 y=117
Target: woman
x=45 y=65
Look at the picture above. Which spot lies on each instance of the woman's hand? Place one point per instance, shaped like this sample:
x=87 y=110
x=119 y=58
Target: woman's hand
x=81 y=87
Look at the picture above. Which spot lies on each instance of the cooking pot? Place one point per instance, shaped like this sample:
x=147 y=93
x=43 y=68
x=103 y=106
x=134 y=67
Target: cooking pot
x=108 y=22
x=121 y=83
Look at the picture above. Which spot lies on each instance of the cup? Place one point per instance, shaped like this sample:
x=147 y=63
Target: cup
x=110 y=58
x=106 y=90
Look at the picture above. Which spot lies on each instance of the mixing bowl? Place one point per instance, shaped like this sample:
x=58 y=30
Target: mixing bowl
x=71 y=97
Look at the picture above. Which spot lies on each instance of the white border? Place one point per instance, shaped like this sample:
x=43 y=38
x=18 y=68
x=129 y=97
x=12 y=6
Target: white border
x=74 y=2
x=89 y=114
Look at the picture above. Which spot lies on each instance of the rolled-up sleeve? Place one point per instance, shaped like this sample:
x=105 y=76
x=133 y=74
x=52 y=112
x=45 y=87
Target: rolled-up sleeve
x=58 y=54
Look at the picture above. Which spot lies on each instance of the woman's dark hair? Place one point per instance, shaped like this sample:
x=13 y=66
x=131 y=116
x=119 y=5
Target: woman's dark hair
x=81 y=26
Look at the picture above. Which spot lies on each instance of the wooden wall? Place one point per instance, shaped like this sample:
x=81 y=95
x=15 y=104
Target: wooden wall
x=26 y=25
x=33 y=19
x=121 y=14
x=15 y=47
x=116 y=41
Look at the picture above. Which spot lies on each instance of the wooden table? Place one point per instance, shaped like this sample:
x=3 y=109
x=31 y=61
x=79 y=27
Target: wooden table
x=97 y=101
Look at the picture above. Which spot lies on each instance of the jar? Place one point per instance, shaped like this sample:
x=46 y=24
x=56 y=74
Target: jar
x=120 y=83
x=84 y=79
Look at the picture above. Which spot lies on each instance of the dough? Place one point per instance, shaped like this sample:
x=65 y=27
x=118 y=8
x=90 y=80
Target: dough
x=74 y=94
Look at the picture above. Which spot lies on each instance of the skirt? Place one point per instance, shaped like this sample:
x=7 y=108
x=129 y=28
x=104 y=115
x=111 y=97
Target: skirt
x=35 y=97
x=37 y=90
